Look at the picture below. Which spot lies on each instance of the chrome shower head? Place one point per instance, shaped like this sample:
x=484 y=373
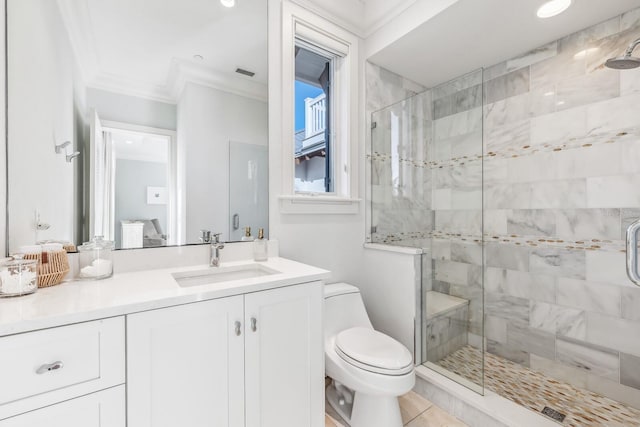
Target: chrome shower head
x=625 y=62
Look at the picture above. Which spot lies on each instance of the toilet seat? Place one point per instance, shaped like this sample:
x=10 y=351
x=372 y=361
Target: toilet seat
x=373 y=351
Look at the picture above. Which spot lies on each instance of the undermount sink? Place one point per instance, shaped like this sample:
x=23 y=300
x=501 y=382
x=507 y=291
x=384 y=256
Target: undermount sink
x=221 y=274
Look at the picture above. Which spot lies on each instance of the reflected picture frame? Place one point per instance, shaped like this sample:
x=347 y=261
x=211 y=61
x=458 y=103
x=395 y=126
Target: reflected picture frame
x=156 y=195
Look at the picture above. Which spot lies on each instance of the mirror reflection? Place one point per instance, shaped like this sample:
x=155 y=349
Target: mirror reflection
x=141 y=121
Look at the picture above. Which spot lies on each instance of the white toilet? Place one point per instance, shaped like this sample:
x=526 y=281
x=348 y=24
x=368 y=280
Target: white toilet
x=369 y=369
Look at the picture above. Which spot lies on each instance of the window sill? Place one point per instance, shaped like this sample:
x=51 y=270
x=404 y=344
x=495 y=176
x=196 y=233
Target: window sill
x=308 y=204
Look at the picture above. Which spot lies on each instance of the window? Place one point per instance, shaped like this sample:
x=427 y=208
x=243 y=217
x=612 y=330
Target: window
x=312 y=137
x=318 y=104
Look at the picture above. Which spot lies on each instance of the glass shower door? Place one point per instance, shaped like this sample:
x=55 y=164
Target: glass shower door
x=426 y=193
x=248 y=189
x=453 y=311
x=400 y=189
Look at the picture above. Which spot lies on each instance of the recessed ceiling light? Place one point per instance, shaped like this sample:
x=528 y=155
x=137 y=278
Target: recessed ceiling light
x=550 y=93
x=553 y=8
x=198 y=57
x=128 y=141
x=228 y=3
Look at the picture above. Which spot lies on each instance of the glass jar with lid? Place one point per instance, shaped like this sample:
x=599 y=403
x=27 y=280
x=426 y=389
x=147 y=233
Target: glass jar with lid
x=18 y=276
x=95 y=259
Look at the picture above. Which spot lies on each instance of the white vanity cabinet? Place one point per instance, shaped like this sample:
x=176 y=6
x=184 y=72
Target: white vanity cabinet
x=284 y=357
x=253 y=360
x=101 y=409
x=65 y=376
x=185 y=365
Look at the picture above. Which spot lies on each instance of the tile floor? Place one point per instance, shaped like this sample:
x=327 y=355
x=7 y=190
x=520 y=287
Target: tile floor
x=535 y=390
x=415 y=410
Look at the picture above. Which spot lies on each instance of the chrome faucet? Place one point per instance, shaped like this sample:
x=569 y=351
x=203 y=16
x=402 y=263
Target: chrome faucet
x=214 y=254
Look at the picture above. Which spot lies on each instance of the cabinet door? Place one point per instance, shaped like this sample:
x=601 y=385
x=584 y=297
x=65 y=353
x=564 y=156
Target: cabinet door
x=186 y=365
x=284 y=357
x=101 y=409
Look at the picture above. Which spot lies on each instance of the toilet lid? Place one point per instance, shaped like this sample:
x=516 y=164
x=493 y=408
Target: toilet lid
x=374 y=350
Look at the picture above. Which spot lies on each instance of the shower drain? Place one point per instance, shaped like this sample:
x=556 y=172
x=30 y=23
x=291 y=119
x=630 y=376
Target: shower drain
x=553 y=414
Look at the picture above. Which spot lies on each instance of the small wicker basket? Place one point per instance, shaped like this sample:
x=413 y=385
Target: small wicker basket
x=52 y=267
x=70 y=247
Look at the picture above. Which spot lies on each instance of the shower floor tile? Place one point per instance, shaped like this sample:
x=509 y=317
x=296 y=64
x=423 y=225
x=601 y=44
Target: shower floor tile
x=536 y=391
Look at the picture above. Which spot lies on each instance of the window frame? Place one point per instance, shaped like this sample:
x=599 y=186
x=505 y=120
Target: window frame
x=301 y=25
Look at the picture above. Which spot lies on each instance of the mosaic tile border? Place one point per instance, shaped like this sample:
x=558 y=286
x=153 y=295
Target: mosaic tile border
x=584 y=142
x=602 y=245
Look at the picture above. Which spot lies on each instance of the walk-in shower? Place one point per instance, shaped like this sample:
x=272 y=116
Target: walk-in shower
x=517 y=184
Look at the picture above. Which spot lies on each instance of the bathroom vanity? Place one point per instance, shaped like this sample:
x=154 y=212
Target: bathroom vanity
x=197 y=346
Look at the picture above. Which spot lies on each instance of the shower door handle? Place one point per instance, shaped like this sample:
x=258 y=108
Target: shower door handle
x=632 y=252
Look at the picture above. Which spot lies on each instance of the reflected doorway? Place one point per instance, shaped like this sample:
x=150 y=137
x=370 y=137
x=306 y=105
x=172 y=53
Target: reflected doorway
x=133 y=185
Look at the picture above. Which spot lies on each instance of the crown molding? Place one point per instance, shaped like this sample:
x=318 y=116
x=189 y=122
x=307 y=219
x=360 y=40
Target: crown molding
x=386 y=18
x=345 y=24
x=77 y=20
x=183 y=72
x=125 y=86
x=359 y=27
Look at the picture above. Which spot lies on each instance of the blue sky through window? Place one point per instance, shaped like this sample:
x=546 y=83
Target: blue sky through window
x=302 y=91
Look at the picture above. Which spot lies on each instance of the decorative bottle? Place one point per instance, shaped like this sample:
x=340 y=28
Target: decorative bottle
x=260 y=252
x=247 y=235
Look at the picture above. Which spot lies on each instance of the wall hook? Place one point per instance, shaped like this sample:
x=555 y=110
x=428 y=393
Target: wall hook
x=72 y=156
x=60 y=147
x=41 y=226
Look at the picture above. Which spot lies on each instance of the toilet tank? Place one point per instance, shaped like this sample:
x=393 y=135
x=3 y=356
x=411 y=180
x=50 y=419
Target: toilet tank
x=343 y=309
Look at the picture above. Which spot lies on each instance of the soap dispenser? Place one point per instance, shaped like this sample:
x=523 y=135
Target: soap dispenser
x=247 y=235
x=260 y=252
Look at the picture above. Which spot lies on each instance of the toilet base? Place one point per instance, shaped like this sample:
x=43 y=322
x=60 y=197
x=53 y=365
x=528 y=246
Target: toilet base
x=341 y=405
x=367 y=410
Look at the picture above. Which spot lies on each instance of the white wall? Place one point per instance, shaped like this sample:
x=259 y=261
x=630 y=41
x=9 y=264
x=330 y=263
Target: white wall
x=310 y=175
x=42 y=114
x=207 y=120
x=134 y=110
x=132 y=179
x=335 y=242
x=411 y=17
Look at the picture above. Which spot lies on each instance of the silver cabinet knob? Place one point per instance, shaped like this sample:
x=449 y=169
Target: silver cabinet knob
x=48 y=367
x=254 y=324
x=238 y=326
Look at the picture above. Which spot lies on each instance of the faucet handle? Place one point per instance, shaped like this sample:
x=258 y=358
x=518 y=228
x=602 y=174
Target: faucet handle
x=205 y=236
x=216 y=237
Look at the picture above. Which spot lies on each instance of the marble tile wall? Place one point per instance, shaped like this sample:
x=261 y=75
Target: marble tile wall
x=396 y=189
x=445 y=334
x=561 y=179
x=457 y=182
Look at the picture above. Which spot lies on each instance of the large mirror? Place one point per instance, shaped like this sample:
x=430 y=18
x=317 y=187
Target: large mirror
x=143 y=121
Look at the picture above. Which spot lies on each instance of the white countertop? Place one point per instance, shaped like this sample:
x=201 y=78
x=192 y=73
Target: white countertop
x=125 y=293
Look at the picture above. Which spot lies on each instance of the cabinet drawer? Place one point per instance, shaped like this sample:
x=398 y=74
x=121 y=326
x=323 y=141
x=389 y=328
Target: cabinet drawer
x=44 y=367
x=102 y=409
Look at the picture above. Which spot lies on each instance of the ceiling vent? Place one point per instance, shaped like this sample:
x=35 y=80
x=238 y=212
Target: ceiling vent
x=245 y=72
